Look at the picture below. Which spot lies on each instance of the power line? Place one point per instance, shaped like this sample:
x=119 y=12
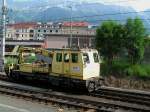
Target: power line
x=107 y=14
x=71 y=3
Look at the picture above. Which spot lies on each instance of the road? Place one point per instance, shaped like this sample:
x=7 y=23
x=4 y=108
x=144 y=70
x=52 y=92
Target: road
x=13 y=104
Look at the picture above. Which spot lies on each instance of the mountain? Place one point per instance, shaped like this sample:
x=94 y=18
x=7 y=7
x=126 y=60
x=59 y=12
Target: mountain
x=91 y=12
x=55 y=13
x=50 y=10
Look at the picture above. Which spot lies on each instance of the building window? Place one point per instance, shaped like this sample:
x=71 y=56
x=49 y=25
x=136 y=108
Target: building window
x=56 y=31
x=31 y=31
x=44 y=31
x=39 y=30
x=22 y=35
x=17 y=30
x=74 y=57
x=59 y=57
x=51 y=31
x=31 y=35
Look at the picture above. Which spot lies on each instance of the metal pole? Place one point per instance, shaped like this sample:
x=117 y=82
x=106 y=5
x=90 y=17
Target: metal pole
x=2 y=50
x=70 y=42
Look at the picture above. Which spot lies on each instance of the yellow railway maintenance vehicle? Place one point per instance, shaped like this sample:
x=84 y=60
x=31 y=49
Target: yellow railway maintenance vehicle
x=61 y=67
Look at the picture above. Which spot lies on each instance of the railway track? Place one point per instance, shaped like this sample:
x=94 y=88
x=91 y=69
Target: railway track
x=84 y=102
x=105 y=99
x=131 y=96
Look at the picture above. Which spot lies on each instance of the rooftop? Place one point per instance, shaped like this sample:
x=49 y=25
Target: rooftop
x=23 y=25
x=75 y=24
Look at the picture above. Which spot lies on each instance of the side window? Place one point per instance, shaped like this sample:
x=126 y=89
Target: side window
x=95 y=56
x=59 y=57
x=86 y=58
x=74 y=57
x=66 y=57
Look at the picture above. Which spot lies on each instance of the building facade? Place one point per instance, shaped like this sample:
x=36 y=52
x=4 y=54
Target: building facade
x=56 y=35
x=21 y=31
x=70 y=34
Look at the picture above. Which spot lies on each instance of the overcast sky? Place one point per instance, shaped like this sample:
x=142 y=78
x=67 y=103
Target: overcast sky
x=138 y=5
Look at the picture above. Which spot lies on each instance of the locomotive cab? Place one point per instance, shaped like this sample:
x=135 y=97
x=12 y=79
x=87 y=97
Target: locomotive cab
x=91 y=64
x=81 y=66
x=91 y=69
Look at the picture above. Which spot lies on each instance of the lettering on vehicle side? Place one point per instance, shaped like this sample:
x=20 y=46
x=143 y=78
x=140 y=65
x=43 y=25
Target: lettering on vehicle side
x=76 y=69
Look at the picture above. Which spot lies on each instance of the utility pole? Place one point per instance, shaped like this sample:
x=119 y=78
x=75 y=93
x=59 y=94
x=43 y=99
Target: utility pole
x=2 y=38
x=70 y=40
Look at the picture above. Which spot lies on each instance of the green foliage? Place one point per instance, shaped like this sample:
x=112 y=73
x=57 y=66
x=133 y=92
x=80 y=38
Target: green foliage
x=122 y=68
x=135 y=44
x=113 y=38
x=139 y=71
x=147 y=41
x=118 y=68
x=108 y=39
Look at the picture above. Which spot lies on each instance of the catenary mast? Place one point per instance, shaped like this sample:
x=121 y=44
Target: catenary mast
x=3 y=35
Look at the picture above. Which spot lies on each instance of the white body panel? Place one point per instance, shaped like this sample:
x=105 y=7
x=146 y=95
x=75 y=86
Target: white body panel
x=91 y=69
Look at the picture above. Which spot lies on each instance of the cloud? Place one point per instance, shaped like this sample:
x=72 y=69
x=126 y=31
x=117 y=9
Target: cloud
x=21 y=0
x=139 y=5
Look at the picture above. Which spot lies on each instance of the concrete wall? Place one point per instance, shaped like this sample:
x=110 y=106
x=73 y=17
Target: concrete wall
x=56 y=42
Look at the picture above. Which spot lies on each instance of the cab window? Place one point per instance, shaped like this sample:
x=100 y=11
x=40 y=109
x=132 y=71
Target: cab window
x=59 y=57
x=95 y=56
x=86 y=58
x=66 y=57
x=74 y=57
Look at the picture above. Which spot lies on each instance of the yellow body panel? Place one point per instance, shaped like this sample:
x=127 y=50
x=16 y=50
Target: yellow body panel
x=76 y=69
x=40 y=68
x=57 y=67
x=66 y=65
x=25 y=67
x=30 y=68
x=68 y=69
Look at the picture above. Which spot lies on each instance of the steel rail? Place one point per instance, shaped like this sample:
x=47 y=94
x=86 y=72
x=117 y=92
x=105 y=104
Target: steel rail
x=132 y=96
x=48 y=96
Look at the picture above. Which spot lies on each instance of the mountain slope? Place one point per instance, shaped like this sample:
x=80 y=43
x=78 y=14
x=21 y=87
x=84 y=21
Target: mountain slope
x=47 y=10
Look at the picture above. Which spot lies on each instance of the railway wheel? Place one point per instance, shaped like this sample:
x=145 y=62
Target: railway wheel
x=91 y=86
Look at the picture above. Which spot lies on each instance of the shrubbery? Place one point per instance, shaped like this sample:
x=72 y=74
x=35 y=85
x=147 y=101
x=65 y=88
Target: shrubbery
x=122 y=47
x=138 y=71
x=121 y=69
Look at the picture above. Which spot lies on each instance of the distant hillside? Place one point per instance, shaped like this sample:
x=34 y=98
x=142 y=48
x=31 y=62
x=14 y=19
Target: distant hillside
x=40 y=10
x=85 y=9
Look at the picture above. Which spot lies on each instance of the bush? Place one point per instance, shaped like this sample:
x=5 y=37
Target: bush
x=122 y=68
x=147 y=68
x=118 y=67
x=142 y=71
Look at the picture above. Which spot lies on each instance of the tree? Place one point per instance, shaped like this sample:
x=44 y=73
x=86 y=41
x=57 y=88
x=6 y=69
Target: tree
x=135 y=34
x=109 y=37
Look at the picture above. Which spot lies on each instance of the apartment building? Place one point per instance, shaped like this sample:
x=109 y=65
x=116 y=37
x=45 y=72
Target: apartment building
x=56 y=35
x=70 y=34
x=21 y=31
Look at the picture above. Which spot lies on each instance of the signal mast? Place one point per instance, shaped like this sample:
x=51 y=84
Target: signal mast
x=3 y=35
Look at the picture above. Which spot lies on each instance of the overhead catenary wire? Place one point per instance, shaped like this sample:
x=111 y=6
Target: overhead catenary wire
x=96 y=15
